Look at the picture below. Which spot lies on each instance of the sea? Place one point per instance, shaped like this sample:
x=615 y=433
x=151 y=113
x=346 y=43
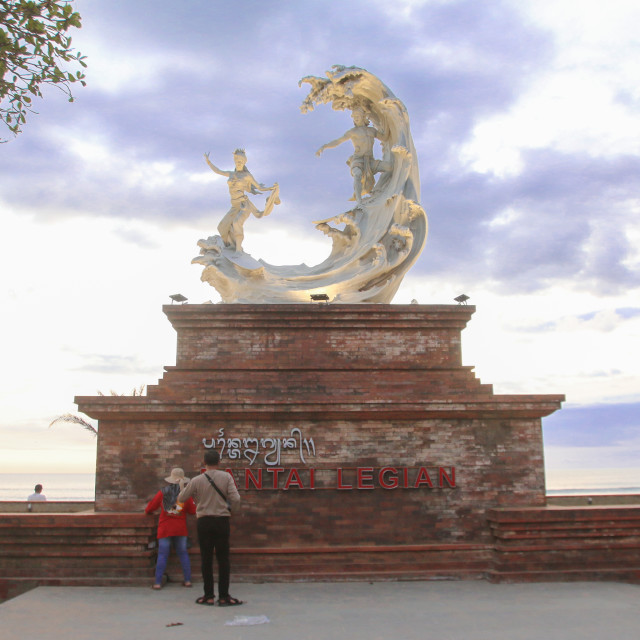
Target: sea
x=67 y=487
x=74 y=487
x=567 y=482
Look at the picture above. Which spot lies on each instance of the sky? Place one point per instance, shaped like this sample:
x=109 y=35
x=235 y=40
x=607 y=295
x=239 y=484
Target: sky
x=525 y=115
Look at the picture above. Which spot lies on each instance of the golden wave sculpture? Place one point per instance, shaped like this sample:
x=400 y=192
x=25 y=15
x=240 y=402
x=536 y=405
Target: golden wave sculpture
x=374 y=243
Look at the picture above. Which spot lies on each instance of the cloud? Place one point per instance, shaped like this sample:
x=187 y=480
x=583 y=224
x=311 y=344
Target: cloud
x=562 y=218
x=594 y=426
x=135 y=146
x=628 y=312
x=595 y=437
x=168 y=92
x=604 y=320
x=525 y=117
x=112 y=364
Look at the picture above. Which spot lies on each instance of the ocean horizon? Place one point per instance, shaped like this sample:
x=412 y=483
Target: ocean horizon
x=66 y=487
x=75 y=487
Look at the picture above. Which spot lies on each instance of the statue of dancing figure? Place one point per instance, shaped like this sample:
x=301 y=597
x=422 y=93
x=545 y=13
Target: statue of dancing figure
x=362 y=163
x=241 y=182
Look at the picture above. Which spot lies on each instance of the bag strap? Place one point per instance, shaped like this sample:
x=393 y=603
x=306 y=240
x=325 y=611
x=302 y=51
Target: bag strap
x=215 y=486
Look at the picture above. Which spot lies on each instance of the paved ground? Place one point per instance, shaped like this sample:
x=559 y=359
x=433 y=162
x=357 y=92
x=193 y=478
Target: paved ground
x=404 y=610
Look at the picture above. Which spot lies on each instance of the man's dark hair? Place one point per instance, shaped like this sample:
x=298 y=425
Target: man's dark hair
x=38 y=488
x=211 y=458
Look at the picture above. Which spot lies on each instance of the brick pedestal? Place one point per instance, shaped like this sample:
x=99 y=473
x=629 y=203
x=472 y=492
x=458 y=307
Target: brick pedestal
x=359 y=422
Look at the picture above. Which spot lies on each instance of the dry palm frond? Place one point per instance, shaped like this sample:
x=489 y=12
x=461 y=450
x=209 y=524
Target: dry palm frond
x=136 y=391
x=73 y=419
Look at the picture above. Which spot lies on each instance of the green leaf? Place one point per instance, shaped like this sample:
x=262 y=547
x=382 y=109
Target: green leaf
x=35 y=49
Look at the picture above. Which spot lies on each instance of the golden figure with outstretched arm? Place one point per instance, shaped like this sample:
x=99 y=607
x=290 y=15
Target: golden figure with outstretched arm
x=362 y=163
x=241 y=182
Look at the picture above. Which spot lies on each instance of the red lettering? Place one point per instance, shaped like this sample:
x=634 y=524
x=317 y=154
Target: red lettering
x=275 y=471
x=450 y=479
x=248 y=475
x=365 y=474
x=394 y=478
x=422 y=478
x=293 y=479
x=360 y=478
x=312 y=478
x=340 y=483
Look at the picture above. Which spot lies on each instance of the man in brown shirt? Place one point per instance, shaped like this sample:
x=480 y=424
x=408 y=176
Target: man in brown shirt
x=215 y=494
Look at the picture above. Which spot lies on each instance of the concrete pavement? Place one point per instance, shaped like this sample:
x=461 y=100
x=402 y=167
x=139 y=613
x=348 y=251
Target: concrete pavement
x=446 y=610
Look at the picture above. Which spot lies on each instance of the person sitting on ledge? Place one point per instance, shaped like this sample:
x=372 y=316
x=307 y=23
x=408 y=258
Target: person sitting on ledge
x=172 y=525
x=37 y=496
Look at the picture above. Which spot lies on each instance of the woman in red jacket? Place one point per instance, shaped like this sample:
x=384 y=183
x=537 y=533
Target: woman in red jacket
x=172 y=525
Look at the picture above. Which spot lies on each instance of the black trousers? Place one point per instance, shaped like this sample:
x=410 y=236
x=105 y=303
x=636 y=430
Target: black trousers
x=213 y=535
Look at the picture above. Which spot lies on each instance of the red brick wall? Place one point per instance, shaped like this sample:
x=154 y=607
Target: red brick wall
x=317 y=336
x=372 y=385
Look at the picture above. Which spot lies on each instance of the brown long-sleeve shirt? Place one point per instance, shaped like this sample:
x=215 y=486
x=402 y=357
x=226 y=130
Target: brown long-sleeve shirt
x=208 y=500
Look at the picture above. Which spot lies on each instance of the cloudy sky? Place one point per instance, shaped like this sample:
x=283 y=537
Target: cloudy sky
x=526 y=119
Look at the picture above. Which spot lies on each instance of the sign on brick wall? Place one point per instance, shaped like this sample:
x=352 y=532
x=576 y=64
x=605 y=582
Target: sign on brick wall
x=344 y=478
x=275 y=477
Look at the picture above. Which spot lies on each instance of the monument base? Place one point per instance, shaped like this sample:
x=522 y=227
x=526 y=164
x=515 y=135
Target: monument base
x=362 y=449
x=527 y=545
x=358 y=441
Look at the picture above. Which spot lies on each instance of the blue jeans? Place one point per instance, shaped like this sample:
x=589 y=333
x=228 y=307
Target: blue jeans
x=164 y=546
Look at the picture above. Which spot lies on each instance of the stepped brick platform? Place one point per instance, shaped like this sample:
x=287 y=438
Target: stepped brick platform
x=360 y=444
x=361 y=447
x=527 y=545
x=566 y=543
x=75 y=549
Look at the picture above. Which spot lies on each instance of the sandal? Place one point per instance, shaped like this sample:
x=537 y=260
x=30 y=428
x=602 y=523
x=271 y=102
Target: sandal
x=187 y=584
x=157 y=587
x=229 y=601
x=208 y=602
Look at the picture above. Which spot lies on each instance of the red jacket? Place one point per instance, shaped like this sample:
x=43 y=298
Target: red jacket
x=169 y=524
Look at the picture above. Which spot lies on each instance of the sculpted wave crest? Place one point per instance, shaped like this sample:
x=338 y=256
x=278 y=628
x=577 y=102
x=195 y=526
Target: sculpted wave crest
x=374 y=243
